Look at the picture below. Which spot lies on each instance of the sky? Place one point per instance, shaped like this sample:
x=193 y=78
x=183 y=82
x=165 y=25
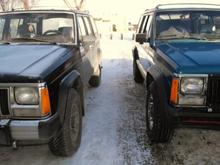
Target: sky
x=122 y=8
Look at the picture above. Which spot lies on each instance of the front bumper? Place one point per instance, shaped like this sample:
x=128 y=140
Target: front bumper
x=28 y=130
x=194 y=117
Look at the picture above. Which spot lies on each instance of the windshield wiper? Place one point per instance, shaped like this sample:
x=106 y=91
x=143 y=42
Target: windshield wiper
x=196 y=37
x=32 y=39
x=173 y=36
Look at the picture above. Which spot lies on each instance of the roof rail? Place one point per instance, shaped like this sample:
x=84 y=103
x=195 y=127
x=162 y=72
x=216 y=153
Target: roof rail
x=37 y=7
x=187 y=4
x=184 y=4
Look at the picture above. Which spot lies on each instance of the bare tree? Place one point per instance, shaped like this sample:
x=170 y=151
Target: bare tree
x=4 y=4
x=9 y=4
x=79 y=5
x=26 y=4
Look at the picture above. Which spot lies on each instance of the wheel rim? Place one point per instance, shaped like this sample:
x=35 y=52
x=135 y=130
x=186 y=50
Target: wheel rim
x=150 y=110
x=74 y=124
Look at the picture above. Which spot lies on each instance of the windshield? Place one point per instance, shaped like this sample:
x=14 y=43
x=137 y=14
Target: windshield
x=37 y=27
x=202 y=25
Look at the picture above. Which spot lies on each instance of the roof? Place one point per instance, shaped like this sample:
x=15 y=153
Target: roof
x=47 y=8
x=185 y=6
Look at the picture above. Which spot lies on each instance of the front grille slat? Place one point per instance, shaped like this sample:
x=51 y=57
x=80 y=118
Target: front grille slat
x=213 y=93
x=4 y=102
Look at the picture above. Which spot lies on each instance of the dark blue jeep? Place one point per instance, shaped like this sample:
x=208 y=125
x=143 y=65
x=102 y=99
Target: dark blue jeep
x=177 y=56
x=47 y=59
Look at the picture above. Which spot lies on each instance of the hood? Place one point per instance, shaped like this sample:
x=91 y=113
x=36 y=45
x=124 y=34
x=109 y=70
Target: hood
x=27 y=61
x=193 y=57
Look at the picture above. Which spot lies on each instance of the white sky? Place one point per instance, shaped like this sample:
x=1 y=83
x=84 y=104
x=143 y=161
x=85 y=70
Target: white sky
x=129 y=8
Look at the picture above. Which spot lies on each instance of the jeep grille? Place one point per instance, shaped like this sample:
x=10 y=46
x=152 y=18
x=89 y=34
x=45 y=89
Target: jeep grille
x=213 y=93
x=4 y=110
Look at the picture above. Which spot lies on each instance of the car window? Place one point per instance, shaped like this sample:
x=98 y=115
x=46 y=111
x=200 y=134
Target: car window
x=14 y=24
x=56 y=23
x=148 y=25
x=94 y=26
x=88 y=25
x=145 y=24
x=37 y=27
x=141 y=24
x=60 y=27
x=82 y=27
x=2 y=24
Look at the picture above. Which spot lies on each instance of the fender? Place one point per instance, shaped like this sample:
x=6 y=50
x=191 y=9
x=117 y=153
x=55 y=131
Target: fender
x=71 y=80
x=161 y=81
x=135 y=53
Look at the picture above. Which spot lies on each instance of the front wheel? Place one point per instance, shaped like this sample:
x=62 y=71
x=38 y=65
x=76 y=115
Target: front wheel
x=159 y=129
x=68 y=139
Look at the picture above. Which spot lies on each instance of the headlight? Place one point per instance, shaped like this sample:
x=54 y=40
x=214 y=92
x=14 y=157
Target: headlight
x=27 y=95
x=189 y=91
x=192 y=85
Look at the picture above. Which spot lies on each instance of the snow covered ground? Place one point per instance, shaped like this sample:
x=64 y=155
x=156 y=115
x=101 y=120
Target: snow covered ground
x=114 y=126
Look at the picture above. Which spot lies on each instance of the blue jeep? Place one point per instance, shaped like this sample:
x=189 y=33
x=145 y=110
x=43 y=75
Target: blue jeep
x=177 y=56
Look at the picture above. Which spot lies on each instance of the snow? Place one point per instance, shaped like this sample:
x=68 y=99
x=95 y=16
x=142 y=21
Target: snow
x=114 y=126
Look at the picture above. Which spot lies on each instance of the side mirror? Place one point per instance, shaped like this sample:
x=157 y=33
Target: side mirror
x=141 y=38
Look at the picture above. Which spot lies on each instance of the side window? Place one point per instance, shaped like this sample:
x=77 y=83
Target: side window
x=145 y=24
x=148 y=25
x=141 y=23
x=82 y=28
x=88 y=25
x=2 y=25
x=94 y=26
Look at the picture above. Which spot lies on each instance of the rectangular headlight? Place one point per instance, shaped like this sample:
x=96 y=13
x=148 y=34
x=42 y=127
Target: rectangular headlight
x=26 y=95
x=30 y=101
x=193 y=86
x=188 y=91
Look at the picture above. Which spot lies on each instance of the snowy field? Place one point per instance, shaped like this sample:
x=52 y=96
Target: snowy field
x=114 y=126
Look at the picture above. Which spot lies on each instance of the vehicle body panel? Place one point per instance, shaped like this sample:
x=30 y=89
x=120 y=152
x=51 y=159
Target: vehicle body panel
x=193 y=57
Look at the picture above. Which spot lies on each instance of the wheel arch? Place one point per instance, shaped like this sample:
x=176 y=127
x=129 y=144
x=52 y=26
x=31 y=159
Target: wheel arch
x=71 y=80
x=156 y=75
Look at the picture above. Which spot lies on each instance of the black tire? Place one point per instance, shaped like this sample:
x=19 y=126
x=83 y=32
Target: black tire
x=159 y=128
x=67 y=140
x=136 y=73
x=95 y=81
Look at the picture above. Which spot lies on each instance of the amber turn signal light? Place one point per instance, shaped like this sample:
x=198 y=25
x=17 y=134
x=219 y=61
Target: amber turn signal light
x=45 y=102
x=174 y=91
